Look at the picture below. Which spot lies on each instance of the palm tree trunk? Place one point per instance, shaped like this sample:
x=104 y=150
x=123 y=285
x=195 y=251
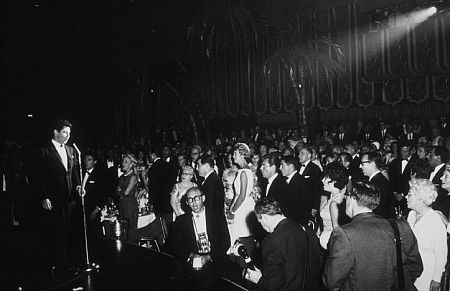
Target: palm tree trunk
x=301 y=88
x=299 y=96
x=191 y=117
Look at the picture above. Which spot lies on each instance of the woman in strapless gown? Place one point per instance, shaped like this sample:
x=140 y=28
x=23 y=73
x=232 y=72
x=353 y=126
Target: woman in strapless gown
x=334 y=182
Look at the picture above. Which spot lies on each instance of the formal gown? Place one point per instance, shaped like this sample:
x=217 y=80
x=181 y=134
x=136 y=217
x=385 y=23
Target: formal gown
x=241 y=226
x=327 y=225
x=128 y=205
x=179 y=190
x=432 y=240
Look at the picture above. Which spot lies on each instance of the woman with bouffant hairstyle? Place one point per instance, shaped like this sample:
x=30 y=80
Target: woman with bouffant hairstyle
x=242 y=206
x=127 y=190
x=430 y=232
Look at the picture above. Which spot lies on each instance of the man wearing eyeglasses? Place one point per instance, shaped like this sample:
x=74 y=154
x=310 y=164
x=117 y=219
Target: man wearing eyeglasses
x=200 y=240
x=370 y=165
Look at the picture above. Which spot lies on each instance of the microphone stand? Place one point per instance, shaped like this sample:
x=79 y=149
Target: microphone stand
x=89 y=266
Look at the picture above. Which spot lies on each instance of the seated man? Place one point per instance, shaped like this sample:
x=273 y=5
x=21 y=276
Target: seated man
x=290 y=254
x=200 y=239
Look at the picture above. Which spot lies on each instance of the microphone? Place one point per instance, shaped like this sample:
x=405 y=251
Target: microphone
x=77 y=149
x=240 y=250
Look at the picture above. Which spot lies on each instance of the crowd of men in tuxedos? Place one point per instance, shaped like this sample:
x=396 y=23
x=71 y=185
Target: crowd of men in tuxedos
x=291 y=175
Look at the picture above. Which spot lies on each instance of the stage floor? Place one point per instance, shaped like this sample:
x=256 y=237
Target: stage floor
x=122 y=267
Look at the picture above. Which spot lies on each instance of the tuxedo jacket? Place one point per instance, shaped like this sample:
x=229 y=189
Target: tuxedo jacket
x=214 y=193
x=296 y=202
x=369 y=235
x=182 y=240
x=347 y=139
x=437 y=178
x=277 y=188
x=385 y=208
x=355 y=170
x=313 y=176
x=53 y=181
x=95 y=191
x=400 y=181
x=159 y=186
x=404 y=138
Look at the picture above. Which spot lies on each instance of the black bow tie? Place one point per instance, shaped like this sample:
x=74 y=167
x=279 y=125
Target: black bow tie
x=302 y=166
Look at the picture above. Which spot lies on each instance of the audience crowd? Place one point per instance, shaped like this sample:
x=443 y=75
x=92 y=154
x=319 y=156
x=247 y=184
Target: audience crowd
x=342 y=184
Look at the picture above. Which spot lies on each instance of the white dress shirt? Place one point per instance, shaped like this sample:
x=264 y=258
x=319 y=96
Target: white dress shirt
x=436 y=169
x=270 y=183
x=61 y=149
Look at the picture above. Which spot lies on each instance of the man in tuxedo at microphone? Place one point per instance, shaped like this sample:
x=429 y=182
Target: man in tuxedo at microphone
x=57 y=178
x=290 y=253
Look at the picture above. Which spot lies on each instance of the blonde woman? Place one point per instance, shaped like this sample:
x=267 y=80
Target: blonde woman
x=430 y=232
x=243 y=203
x=180 y=188
x=127 y=192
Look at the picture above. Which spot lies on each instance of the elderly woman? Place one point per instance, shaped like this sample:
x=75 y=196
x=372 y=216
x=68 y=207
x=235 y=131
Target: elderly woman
x=430 y=232
x=180 y=188
x=127 y=192
x=334 y=183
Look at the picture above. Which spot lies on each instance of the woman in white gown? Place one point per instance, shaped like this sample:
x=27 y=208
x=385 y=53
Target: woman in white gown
x=243 y=204
x=334 y=182
x=430 y=232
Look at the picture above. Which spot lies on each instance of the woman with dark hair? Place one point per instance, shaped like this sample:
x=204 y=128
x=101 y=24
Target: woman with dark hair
x=127 y=192
x=334 y=183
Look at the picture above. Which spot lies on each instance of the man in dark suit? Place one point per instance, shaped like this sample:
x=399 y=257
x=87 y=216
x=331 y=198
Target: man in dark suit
x=400 y=174
x=409 y=135
x=200 y=237
x=276 y=183
x=312 y=175
x=382 y=133
x=159 y=186
x=342 y=137
x=370 y=164
x=211 y=186
x=57 y=178
x=438 y=158
x=355 y=171
x=369 y=236
x=291 y=255
x=296 y=201
x=94 y=186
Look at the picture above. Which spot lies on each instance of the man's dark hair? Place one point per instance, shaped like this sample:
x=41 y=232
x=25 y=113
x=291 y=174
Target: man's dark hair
x=441 y=152
x=366 y=194
x=308 y=148
x=206 y=159
x=59 y=124
x=273 y=159
x=157 y=151
x=267 y=205
x=345 y=157
x=374 y=157
x=337 y=173
x=92 y=154
x=290 y=160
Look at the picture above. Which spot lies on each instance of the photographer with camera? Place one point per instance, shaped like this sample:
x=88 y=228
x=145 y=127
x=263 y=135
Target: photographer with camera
x=290 y=252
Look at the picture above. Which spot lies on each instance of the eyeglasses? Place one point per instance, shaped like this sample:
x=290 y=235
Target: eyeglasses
x=187 y=174
x=195 y=198
x=364 y=162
